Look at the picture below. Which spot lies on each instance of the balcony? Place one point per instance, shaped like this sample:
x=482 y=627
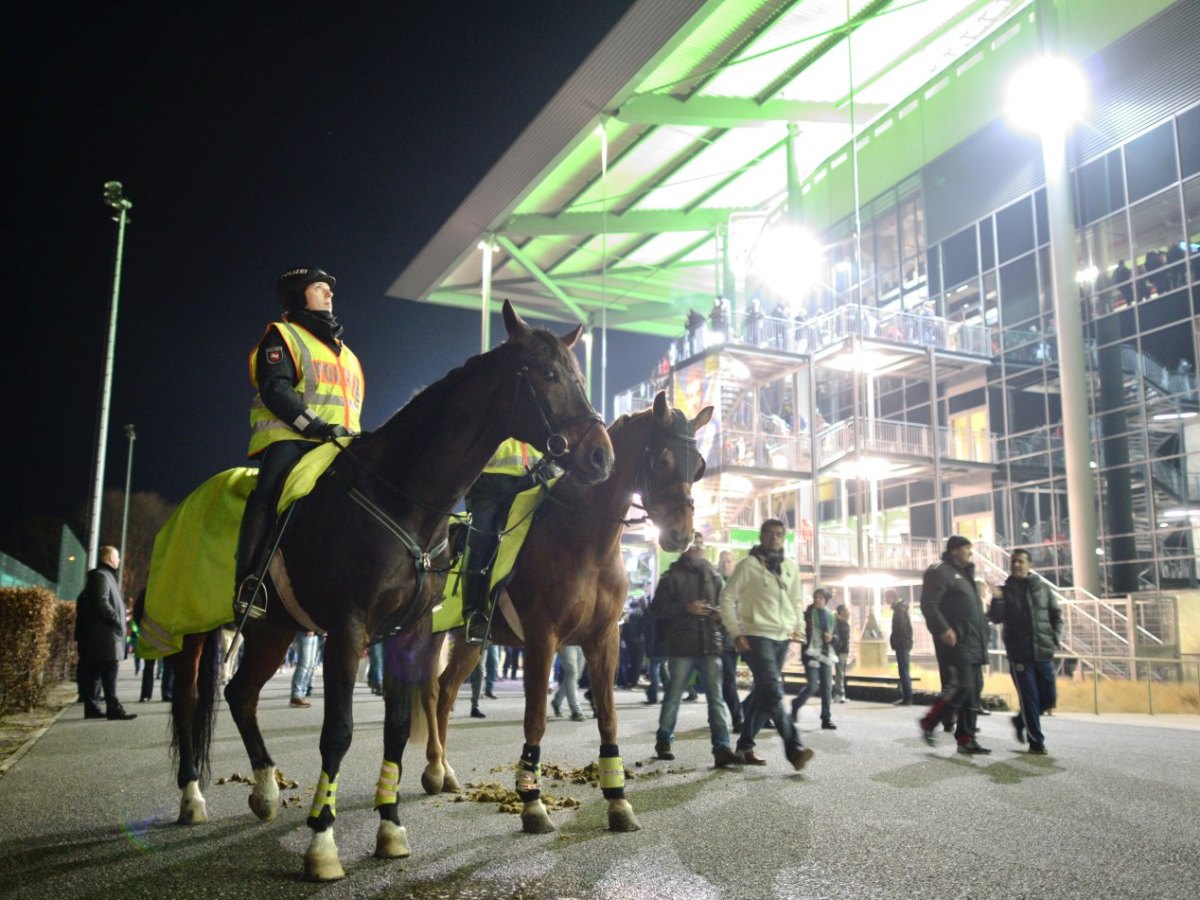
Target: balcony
x=885 y=438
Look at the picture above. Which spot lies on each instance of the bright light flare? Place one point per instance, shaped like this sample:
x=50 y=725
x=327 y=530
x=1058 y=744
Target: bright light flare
x=788 y=259
x=1046 y=95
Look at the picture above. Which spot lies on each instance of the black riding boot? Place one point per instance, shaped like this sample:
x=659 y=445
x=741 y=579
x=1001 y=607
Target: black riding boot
x=253 y=540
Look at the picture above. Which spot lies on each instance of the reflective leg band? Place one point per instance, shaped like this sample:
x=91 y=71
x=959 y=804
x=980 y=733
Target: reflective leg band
x=528 y=774
x=386 y=787
x=326 y=795
x=612 y=776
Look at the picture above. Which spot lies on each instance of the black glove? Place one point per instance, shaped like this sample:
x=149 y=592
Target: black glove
x=326 y=431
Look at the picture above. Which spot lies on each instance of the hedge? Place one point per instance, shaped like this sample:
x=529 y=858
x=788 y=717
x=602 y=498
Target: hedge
x=39 y=646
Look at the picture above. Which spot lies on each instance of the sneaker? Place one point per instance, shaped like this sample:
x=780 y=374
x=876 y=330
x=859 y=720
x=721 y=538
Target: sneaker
x=901 y=703
x=984 y=711
x=491 y=695
x=973 y=749
x=829 y=726
x=577 y=716
x=723 y=757
x=662 y=749
x=795 y=711
x=120 y=715
x=1037 y=749
x=928 y=734
x=1019 y=727
x=799 y=757
x=477 y=713
x=300 y=702
x=557 y=707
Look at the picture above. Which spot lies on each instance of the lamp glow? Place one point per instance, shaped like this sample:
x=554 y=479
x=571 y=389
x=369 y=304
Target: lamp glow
x=1046 y=95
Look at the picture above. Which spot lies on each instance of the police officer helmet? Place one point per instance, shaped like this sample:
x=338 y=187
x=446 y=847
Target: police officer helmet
x=291 y=284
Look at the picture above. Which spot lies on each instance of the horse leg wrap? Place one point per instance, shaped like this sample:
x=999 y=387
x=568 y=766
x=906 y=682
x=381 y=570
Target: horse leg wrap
x=529 y=771
x=324 y=806
x=387 y=788
x=612 y=772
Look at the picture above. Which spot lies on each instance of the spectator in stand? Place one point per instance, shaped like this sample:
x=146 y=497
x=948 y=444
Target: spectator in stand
x=1033 y=628
x=841 y=646
x=902 y=643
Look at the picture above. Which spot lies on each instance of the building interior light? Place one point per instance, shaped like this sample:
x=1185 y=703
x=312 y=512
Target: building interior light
x=1174 y=416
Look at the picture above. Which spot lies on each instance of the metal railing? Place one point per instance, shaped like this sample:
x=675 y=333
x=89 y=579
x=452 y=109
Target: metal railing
x=882 y=436
x=767 y=451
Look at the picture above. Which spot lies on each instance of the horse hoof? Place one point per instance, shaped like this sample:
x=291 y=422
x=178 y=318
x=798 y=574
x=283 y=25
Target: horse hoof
x=621 y=817
x=391 y=841
x=431 y=783
x=535 y=819
x=264 y=799
x=321 y=862
x=193 y=810
x=450 y=783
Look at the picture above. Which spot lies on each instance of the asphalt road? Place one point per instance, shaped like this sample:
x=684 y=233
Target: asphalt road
x=89 y=811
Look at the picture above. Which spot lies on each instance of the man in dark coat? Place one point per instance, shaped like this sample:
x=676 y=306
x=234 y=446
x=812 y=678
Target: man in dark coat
x=954 y=615
x=688 y=621
x=100 y=634
x=1033 y=627
x=902 y=643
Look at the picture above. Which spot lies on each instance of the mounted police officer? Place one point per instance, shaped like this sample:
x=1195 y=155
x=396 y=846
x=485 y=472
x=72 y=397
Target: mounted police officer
x=513 y=468
x=309 y=390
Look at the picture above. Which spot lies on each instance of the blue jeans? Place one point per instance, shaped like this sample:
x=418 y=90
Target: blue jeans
x=679 y=673
x=902 y=663
x=765 y=659
x=653 y=672
x=815 y=673
x=1038 y=692
x=570 y=658
x=306 y=659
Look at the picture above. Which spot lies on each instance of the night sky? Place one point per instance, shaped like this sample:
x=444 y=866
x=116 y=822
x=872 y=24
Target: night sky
x=250 y=138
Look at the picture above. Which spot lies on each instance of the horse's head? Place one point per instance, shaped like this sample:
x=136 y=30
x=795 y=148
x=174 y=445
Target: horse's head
x=670 y=465
x=550 y=409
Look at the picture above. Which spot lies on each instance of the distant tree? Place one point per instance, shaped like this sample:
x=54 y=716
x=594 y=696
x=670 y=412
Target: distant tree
x=148 y=512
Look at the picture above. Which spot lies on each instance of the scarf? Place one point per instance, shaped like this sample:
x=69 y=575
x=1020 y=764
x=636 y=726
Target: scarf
x=773 y=561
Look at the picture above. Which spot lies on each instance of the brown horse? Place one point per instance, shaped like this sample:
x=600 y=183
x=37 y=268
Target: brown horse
x=357 y=553
x=569 y=587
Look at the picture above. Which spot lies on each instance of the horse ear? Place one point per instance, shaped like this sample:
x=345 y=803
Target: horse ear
x=569 y=339
x=662 y=412
x=513 y=323
x=702 y=418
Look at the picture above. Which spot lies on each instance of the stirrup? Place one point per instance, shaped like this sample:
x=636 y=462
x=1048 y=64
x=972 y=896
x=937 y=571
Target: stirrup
x=476 y=630
x=251 y=600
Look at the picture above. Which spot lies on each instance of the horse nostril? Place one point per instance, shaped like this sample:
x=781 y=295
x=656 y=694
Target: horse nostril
x=600 y=459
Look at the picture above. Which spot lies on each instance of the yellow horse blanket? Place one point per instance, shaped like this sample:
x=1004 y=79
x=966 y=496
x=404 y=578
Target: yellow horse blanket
x=194 y=564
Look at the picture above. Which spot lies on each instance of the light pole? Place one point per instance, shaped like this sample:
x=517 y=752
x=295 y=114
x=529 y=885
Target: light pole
x=129 y=433
x=114 y=196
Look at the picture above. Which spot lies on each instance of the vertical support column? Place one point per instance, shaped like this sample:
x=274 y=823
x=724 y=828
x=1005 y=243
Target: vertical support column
x=485 y=294
x=1081 y=490
x=860 y=424
x=815 y=454
x=938 y=525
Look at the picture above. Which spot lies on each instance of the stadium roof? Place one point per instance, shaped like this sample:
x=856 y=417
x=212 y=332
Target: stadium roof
x=653 y=171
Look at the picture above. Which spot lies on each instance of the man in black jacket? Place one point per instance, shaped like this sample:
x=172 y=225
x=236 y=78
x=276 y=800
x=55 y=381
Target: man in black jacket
x=954 y=615
x=902 y=643
x=100 y=634
x=688 y=622
x=1033 y=627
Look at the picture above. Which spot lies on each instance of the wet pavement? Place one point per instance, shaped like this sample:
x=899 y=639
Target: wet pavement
x=88 y=810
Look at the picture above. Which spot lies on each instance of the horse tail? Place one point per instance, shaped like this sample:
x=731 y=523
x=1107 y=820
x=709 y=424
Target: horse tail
x=208 y=699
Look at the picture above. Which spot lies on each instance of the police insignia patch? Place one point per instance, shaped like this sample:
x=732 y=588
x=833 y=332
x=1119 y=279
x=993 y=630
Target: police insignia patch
x=274 y=354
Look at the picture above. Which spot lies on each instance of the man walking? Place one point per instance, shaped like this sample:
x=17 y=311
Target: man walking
x=762 y=608
x=819 y=658
x=100 y=634
x=1033 y=627
x=955 y=617
x=902 y=643
x=689 y=620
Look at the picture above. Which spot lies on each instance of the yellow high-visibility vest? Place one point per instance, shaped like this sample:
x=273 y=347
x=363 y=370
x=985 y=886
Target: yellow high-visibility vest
x=512 y=457
x=330 y=384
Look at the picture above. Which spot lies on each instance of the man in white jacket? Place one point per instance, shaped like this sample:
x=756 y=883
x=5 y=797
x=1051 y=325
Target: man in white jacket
x=762 y=607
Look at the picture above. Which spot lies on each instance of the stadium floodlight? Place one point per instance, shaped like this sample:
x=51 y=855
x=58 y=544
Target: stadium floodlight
x=1047 y=95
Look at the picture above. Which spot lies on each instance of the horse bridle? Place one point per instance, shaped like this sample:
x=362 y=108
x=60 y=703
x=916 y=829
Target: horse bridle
x=557 y=445
x=643 y=481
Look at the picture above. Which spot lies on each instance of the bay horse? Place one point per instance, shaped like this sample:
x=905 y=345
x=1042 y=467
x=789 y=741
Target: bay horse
x=357 y=555
x=569 y=586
